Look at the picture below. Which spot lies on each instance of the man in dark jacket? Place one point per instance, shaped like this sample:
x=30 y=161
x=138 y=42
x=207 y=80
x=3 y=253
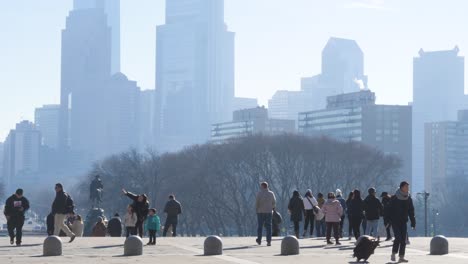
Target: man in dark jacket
x=373 y=210
x=140 y=207
x=401 y=208
x=114 y=227
x=15 y=208
x=339 y=197
x=61 y=208
x=386 y=206
x=173 y=209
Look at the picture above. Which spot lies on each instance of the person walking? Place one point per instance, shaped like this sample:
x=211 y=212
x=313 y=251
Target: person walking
x=401 y=209
x=276 y=221
x=77 y=227
x=114 y=227
x=320 y=223
x=339 y=197
x=373 y=210
x=15 y=208
x=61 y=207
x=99 y=229
x=296 y=209
x=348 y=212
x=140 y=207
x=153 y=225
x=130 y=221
x=309 y=203
x=172 y=209
x=357 y=209
x=386 y=207
x=265 y=202
x=333 y=212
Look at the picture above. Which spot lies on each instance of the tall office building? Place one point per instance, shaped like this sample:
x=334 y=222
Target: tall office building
x=240 y=103
x=288 y=104
x=46 y=119
x=146 y=119
x=86 y=68
x=112 y=11
x=194 y=72
x=438 y=92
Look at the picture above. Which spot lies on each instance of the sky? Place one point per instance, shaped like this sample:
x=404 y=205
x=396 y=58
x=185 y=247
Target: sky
x=277 y=43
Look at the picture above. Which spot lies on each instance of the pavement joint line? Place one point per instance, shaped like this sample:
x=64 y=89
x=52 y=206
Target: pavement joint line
x=222 y=257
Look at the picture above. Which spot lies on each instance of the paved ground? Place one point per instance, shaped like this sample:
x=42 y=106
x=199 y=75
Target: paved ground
x=236 y=250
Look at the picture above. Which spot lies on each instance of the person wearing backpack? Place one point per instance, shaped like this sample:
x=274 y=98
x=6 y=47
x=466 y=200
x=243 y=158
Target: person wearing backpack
x=61 y=207
x=309 y=203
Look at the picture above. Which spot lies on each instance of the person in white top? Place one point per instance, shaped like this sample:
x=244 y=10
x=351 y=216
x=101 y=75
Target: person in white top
x=309 y=203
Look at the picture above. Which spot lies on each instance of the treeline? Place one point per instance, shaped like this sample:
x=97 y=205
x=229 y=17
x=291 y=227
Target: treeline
x=217 y=183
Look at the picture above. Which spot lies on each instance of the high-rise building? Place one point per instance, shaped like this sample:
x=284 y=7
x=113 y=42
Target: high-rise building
x=446 y=154
x=240 y=103
x=86 y=68
x=438 y=92
x=356 y=117
x=194 y=72
x=46 y=119
x=288 y=104
x=146 y=117
x=21 y=155
x=112 y=11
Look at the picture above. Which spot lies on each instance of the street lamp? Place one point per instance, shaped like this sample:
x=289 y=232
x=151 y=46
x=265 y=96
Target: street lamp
x=425 y=196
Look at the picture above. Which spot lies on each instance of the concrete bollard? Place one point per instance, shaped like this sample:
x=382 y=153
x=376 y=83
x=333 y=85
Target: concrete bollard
x=439 y=245
x=133 y=246
x=213 y=246
x=290 y=246
x=52 y=246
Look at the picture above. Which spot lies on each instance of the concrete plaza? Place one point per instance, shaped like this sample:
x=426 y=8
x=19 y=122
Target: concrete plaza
x=236 y=250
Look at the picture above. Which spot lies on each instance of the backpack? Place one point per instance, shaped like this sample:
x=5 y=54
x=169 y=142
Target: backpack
x=365 y=247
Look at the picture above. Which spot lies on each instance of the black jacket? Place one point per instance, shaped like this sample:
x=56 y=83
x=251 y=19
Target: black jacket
x=400 y=211
x=173 y=209
x=373 y=208
x=140 y=208
x=356 y=209
x=296 y=207
x=114 y=227
x=13 y=205
x=62 y=204
x=386 y=207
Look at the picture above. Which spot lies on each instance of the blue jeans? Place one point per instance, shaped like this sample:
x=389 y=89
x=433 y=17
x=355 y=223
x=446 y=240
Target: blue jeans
x=264 y=219
x=372 y=228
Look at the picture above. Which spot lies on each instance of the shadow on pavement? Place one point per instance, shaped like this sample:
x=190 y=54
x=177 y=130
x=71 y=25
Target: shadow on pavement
x=113 y=246
x=24 y=245
x=237 y=248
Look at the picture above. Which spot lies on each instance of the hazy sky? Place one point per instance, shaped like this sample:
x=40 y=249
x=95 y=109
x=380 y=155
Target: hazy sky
x=277 y=43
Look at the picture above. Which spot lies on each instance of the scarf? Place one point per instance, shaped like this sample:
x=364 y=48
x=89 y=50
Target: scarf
x=402 y=195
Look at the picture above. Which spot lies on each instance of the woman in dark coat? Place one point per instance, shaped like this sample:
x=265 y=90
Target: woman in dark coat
x=296 y=209
x=141 y=208
x=357 y=213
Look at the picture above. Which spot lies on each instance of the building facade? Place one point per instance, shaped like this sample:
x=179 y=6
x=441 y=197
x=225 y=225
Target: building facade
x=288 y=104
x=194 y=73
x=46 y=119
x=356 y=117
x=438 y=92
x=240 y=103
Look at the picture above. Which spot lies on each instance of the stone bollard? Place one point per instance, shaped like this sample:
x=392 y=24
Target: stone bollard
x=133 y=246
x=439 y=245
x=290 y=246
x=213 y=246
x=52 y=246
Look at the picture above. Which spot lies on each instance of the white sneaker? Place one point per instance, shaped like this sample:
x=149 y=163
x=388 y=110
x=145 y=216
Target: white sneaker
x=402 y=260
x=393 y=257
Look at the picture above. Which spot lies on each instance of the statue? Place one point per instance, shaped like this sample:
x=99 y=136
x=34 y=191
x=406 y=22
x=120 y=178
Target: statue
x=95 y=192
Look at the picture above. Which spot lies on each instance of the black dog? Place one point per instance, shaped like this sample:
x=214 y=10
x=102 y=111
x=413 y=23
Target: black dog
x=365 y=247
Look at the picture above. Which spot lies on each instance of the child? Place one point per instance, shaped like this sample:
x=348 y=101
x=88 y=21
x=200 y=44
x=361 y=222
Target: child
x=99 y=229
x=130 y=220
x=78 y=226
x=152 y=224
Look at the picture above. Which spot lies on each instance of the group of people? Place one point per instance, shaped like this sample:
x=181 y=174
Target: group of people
x=329 y=215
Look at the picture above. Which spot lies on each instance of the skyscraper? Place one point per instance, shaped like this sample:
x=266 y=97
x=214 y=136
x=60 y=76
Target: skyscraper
x=112 y=11
x=194 y=72
x=438 y=91
x=46 y=119
x=86 y=68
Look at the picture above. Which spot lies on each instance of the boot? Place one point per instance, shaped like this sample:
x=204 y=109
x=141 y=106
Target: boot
x=297 y=234
x=338 y=242
x=305 y=233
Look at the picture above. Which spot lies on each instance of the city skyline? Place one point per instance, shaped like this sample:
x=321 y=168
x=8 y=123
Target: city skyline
x=388 y=62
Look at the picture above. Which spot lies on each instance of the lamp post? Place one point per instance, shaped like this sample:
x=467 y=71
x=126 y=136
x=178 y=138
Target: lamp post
x=425 y=196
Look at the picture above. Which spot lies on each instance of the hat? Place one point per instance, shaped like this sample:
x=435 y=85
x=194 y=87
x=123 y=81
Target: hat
x=338 y=192
x=371 y=190
x=19 y=192
x=384 y=194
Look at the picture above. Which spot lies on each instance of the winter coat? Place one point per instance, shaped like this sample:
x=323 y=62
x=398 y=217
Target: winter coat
x=348 y=207
x=333 y=211
x=77 y=228
x=153 y=223
x=114 y=227
x=140 y=208
x=99 y=230
x=130 y=220
x=357 y=208
x=320 y=202
x=373 y=208
x=62 y=203
x=13 y=206
x=296 y=207
x=386 y=207
x=309 y=203
x=265 y=201
x=173 y=209
x=343 y=203
x=401 y=210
